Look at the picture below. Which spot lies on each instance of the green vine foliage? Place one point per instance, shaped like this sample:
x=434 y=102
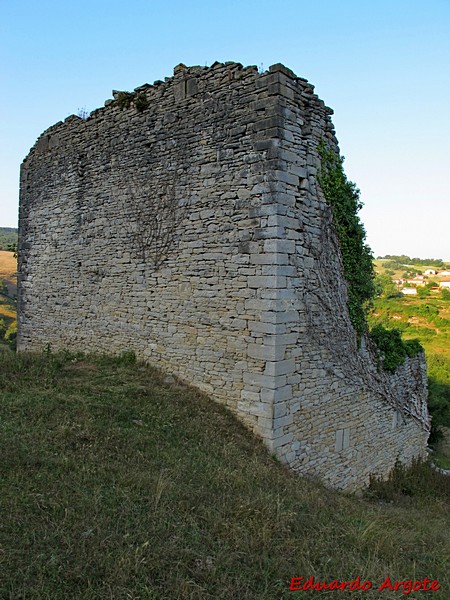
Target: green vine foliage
x=141 y=102
x=393 y=349
x=126 y=99
x=343 y=196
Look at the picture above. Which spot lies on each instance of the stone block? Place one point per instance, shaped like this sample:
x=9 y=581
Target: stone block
x=282 y=422
x=243 y=406
x=279 y=410
x=288 y=316
x=260 y=327
x=262 y=409
x=192 y=86
x=274 y=121
x=265 y=426
x=287 y=177
x=280 y=339
x=279 y=394
x=278 y=89
x=258 y=304
x=346 y=438
x=279 y=246
x=279 y=367
x=267 y=353
x=269 y=259
x=264 y=381
x=267 y=210
x=250 y=396
x=287 y=295
x=299 y=171
x=280 y=271
x=282 y=440
x=267 y=281
x=179 y=90
x=280 y=68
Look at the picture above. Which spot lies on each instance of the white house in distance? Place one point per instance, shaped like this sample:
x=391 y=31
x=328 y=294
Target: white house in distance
x=409 y=291
x=430 y=272
x=444 y=273
x=444 y=284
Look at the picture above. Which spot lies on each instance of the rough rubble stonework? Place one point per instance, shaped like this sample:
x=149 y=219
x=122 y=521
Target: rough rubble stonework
x=249 y=304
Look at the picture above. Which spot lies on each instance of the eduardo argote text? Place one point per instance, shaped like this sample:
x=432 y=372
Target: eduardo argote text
x=407 y=586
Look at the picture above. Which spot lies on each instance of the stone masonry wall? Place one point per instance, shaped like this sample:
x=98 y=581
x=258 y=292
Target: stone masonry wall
x=250 y=302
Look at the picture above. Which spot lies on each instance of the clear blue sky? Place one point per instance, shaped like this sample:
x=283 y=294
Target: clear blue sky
x=384 y=67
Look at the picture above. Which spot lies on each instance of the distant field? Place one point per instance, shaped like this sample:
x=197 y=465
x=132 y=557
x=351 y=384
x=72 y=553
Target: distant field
x=383 y=266
x=8 y=271
x=8 y=286
x=425 y=318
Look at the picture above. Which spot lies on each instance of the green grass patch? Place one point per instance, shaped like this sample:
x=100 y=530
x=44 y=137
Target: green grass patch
x=403 y=484
x=115 y=485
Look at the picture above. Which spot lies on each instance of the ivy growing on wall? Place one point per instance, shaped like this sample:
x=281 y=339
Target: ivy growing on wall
x=154 y=219
x=393 y=349
x=343 y=197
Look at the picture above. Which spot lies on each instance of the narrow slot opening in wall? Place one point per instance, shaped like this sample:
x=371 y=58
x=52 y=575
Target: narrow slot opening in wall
x=342 y=439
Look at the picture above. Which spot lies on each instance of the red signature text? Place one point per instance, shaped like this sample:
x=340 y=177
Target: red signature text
x=300 y=584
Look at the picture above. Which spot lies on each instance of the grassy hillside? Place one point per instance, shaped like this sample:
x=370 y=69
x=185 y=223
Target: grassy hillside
x=117 y=485
x=426 y=319
x=405 y=266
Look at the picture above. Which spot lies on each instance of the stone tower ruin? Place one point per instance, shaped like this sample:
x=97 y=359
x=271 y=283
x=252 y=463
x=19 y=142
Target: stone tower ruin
x=184 y=221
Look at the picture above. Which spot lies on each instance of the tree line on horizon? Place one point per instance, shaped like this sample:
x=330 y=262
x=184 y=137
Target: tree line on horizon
x=403 y=259
x=8 y=238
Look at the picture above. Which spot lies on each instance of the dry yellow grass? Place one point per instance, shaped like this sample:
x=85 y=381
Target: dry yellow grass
x=8 y=268
x=6 y=311
x=8 y=264
x=8 y=271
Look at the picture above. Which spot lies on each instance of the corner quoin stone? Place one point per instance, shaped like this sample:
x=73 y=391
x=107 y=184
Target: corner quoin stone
x=249 y=302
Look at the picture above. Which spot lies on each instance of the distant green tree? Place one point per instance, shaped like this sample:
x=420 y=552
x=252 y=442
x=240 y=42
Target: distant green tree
x=423 y=292
x=393 y=350
x=8 y=236
x=385 y=287
x=393 y=264
x=402 y=259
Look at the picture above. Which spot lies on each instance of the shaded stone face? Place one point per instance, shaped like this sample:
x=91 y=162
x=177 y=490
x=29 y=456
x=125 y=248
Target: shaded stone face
x=184 y=221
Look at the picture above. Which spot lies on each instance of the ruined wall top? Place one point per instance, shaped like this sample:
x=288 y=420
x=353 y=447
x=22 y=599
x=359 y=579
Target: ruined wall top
x=185 y=83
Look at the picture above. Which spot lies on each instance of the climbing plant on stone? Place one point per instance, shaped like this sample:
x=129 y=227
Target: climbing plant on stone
x=153 y=220
x=343 y=196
